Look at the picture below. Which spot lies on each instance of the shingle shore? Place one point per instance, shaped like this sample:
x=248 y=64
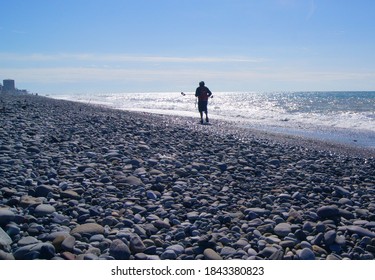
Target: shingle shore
x=84 y=182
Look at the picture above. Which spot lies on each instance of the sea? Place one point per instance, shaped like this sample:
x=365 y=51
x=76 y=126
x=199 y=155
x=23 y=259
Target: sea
x=345 y=117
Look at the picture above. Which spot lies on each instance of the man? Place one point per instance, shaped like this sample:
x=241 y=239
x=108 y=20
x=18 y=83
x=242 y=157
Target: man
x=203 y=93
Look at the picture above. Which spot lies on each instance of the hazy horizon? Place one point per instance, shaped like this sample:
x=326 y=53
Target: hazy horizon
x=151 y=46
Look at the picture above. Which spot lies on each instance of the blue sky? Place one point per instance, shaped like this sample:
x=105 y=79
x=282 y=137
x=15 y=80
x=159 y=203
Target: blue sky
x=75 y=46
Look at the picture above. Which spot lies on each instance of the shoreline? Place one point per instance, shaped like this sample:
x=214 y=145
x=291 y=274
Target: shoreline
x=289 y=125
x=81 y=181
x=364 y=140
x=291 y=136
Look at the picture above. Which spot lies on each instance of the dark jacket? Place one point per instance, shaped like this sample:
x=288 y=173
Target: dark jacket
x=203 y=93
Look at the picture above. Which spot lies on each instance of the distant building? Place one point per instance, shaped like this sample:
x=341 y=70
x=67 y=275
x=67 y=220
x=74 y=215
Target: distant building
x=9 y=86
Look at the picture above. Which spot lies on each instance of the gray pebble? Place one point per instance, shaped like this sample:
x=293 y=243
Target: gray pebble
x=306 y=254
x=210 y=254
x=168 y=255
x=119 y=250
x=68 y=244
x=329 y=237
x=136 y=244
x=44 y=209
x=6 y=216
x=178 y=249
x=5 y=240
x=282 y=229
x=35 y=251
x=329 y=211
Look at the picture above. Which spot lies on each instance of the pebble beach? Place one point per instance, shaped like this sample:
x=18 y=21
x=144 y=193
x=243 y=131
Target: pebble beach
x=84 y=182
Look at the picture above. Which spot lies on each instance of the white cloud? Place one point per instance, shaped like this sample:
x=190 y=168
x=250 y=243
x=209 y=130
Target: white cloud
x=83 y=74
x=38 y=57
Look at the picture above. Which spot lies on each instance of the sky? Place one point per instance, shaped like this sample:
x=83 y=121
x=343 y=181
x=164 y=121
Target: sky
x=111 y=46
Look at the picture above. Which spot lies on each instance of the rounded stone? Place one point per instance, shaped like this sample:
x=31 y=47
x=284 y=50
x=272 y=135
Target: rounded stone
x=151 y=195
x=88 y=228
x=330 y=211
x=4 y=256
x=6 y=216
x=119 y=250
x=35 y=251
x=136 y=245
x=282 y=229
x=177 y=248
x=133 y=181
x=27 y=240
x=68 y=244
x=5 y=240
x=306 y=254
x=329 y=237
x=168 y=255
x=70 y=194
x=210 y=254
x=44 y=209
